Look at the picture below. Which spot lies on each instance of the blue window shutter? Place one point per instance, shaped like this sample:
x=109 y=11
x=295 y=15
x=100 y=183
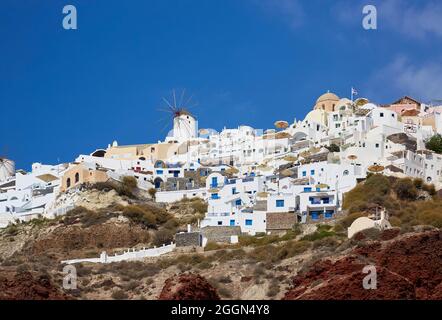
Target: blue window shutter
x=279 y=203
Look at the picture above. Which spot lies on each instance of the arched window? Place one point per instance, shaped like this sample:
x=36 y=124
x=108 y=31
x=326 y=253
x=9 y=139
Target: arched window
x=346 y=172
x=77 y=177
x=429 y=179
x=68 y=183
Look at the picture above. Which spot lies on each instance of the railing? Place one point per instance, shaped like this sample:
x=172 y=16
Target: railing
x=219 y=214
x=130 y=254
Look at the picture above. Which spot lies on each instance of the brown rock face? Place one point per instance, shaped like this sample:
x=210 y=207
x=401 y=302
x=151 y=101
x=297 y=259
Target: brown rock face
x=188 y=287
x=25 y=286
x=407 y=268
x=68 y=239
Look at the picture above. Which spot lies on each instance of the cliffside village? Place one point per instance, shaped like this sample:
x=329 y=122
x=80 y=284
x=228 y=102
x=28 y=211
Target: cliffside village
x=259 y=181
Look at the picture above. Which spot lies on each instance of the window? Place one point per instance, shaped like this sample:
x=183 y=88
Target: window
x=377 y=145
x=381 y=114
x=279 y=203
x=238 y=202
x=77 y=177
x=312 y=172
x=233 y=190
x=345 y=172
x=232 y=223
x=159 y=171
x=304 y=173
x=249 y=222
x=307 y=189
x=215 y=196
x=68 y=183
x=325 y=200
x=220 y=223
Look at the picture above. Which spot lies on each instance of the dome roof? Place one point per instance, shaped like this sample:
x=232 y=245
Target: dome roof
x=329 y=96
x=368 y=106
x=317 y=116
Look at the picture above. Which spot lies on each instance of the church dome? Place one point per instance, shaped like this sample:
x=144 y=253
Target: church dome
x=316 y=116
x=329 y=96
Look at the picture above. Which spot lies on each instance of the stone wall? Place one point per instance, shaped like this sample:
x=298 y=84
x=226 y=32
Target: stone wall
x=187 y=239
x=280 y=221
x=221 y=233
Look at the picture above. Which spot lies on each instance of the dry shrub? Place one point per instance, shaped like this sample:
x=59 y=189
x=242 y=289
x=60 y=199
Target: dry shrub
x=119 y=295
x=163 y=236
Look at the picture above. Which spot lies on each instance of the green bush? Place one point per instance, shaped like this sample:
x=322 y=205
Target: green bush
x=435 y=143
x=405 y=189
x=11 y=230
x=322 y=231
x=212 y=246
x=333 y=148
x=171 y=225
x=395 y=221
x=152 y=192
x=429 y=188
x=119 y=295
x=199 y=205
x=348 y=220
x=127 y=187
x=418 y=183
x=291 y=249
x=140 y=215
x=273 y=289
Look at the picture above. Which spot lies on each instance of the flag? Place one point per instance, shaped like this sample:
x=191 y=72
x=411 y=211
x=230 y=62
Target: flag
x=353 y=91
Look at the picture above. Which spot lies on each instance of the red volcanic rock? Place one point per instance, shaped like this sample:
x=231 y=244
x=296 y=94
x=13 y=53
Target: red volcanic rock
x=407 y=268
x=24 y=286
x=389 y=234
x=188 y=287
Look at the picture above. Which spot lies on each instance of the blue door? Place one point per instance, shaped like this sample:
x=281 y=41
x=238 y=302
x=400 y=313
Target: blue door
x=232 y=223
x=315 y=215
x=329 y=214
x=214 y=182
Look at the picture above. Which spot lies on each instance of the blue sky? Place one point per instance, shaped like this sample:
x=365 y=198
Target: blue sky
x=66 y=92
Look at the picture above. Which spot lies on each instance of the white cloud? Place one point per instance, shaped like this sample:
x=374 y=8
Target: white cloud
x=405 y=78
x=290 y=11
x=416 y=19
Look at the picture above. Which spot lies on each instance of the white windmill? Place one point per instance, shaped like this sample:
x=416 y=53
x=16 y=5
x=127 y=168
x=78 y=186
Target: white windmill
x=7 y=168
x=185 y=126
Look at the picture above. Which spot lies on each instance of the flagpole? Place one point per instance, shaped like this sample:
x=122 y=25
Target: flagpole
x=351 y=94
